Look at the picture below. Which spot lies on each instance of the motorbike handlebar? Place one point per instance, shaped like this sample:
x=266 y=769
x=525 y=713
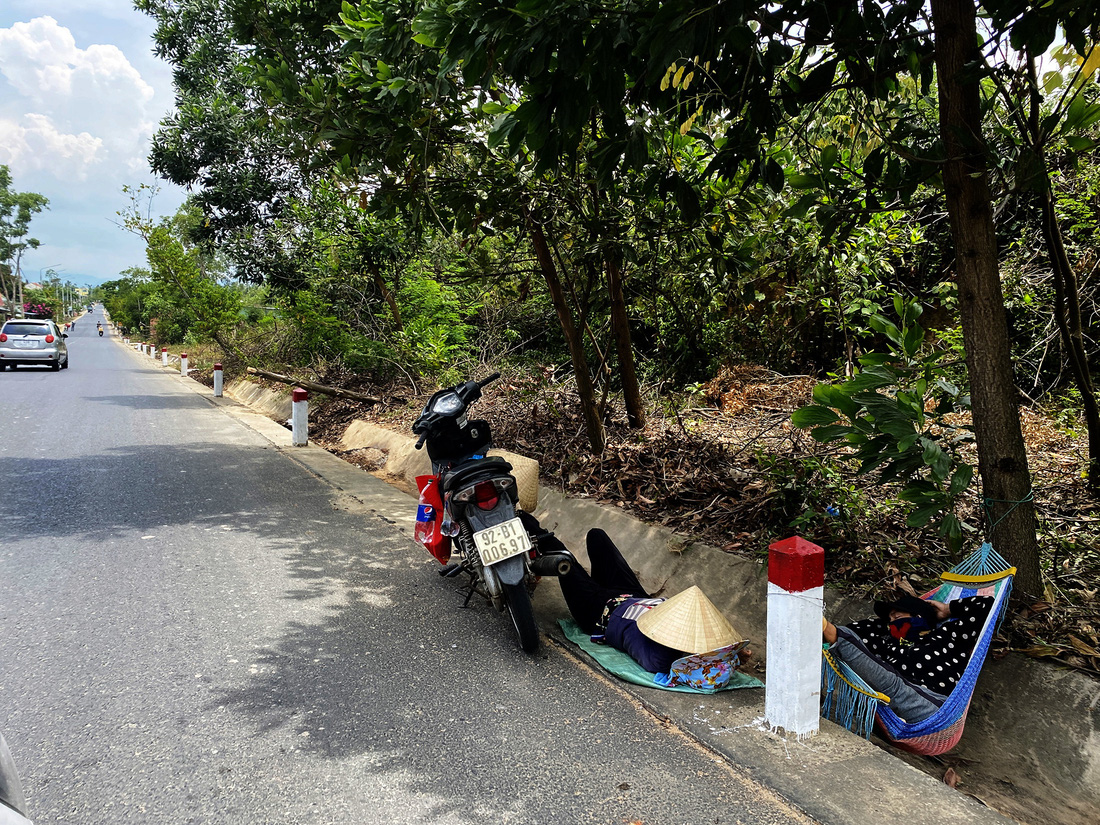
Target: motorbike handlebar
x=420 y=441
x=489 y=380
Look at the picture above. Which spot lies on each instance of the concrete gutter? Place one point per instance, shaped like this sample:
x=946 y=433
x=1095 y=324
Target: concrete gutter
x=1032 y=742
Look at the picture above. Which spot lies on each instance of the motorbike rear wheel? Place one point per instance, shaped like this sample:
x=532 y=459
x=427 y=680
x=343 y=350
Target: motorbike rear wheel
x=523 y=616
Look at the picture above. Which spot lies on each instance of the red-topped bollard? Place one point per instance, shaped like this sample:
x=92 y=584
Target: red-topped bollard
x=164 y=356
x=796 y=590
x=299 y=418
x=183 y=364
x=217 y=380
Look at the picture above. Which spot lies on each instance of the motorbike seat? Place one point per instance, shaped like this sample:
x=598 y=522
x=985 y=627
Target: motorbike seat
x=474 y=470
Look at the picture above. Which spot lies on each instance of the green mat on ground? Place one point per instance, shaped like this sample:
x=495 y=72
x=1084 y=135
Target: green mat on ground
x=615 y=661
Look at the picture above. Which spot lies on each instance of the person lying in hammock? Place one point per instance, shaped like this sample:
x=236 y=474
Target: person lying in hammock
x=912 y=650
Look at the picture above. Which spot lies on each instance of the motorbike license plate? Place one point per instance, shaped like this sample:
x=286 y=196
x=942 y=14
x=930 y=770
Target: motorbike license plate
x=502 y=541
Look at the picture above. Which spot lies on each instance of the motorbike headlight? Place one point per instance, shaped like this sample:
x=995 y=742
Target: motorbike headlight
x=447 y=404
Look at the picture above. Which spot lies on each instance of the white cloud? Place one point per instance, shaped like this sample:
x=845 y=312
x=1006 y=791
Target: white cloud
x=80 y=97
x=82 y=105
x=35 y=144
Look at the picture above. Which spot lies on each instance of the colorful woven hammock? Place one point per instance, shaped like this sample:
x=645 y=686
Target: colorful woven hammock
x=848 y=700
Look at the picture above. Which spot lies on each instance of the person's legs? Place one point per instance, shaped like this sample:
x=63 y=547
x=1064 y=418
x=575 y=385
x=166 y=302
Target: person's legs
x=905 y=700
x=609 y=568
x=585 y=597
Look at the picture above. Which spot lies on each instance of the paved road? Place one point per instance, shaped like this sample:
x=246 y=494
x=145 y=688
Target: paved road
x=194 y=629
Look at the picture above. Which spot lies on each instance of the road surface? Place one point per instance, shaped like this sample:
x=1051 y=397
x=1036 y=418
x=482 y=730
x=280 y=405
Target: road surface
x=195 y=629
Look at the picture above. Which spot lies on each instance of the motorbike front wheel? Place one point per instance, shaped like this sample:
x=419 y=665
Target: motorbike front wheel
x=523 y=616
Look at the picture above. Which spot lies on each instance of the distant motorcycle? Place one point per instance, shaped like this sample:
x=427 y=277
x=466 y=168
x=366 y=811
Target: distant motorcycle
x=100 y=332
x=471 y=498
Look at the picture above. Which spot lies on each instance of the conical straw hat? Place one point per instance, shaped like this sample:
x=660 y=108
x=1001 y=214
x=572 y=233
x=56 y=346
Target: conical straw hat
x=688 y=621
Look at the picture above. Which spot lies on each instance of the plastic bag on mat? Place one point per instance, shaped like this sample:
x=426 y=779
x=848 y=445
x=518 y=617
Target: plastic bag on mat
x=429 y=519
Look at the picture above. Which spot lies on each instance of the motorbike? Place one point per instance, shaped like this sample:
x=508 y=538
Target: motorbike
x=101 y=332
x=470 y=502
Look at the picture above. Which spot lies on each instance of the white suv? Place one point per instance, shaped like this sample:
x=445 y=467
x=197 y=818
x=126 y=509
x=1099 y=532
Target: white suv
x=32 y=341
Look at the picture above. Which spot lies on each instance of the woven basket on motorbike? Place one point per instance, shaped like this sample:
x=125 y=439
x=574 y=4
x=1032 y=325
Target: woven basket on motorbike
x=526 y=472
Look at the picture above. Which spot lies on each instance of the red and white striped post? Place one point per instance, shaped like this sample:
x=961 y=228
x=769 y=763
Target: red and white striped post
x=299 y=418
x=164 y=356
x=796 y=590
x=217 y=380
x=183 y=364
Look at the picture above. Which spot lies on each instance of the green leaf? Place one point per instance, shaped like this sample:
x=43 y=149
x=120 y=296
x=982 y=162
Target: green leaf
x=799 y=209
x=936 y=459
x=813 y=415
x=906 y=443
x=798 y=180
x=872 y=378
x=875 y=359
x=885 y=326
x=773 y=176
x=914 y=338
x=830 y=395
x=831 y=432
x=897 y=428
x=960 y=480
x=922 y=515
x=951 y=529
x=502 y=128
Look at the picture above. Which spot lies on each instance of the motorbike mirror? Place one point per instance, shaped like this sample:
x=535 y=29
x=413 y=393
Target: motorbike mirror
x=11 y=791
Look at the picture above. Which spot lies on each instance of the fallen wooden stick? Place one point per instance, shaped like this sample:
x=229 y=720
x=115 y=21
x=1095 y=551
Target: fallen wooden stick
x=315 y=387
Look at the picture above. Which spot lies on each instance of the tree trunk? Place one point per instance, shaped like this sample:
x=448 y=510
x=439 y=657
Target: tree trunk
x=1002 y=458
x=388 y=296
x=1067 y=315
x=1067 y=303
x=620 y=327
x=585 y=389
x=315 y=387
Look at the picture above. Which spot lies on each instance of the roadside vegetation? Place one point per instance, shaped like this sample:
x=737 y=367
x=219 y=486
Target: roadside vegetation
x=749 y=270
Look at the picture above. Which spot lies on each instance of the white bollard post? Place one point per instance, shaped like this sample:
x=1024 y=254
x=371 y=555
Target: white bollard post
x=217 y=380
x=796 y=589
x=299 y=418
x=152 y=350
x=164 y=356
x=183 y=364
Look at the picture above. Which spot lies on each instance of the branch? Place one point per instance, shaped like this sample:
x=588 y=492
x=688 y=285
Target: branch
x=321 y=388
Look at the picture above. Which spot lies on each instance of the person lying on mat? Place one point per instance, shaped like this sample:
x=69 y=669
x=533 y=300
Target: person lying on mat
x=912 y=650
x=611 y=605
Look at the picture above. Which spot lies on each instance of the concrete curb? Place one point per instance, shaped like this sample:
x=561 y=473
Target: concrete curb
x=1045 y=753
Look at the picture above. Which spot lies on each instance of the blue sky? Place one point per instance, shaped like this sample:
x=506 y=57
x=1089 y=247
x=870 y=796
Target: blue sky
x=81 y=94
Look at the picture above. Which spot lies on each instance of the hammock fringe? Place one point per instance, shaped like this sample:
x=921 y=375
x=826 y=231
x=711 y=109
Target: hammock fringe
x=847 y=699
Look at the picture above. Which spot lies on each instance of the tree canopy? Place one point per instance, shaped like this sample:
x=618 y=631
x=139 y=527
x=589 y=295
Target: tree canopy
x=679 y=185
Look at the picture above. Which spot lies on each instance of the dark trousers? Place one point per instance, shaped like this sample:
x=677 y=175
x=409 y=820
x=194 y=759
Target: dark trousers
x=588 y=593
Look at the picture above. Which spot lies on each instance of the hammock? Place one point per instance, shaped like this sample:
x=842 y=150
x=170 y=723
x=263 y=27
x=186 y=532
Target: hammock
x=849 y=701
